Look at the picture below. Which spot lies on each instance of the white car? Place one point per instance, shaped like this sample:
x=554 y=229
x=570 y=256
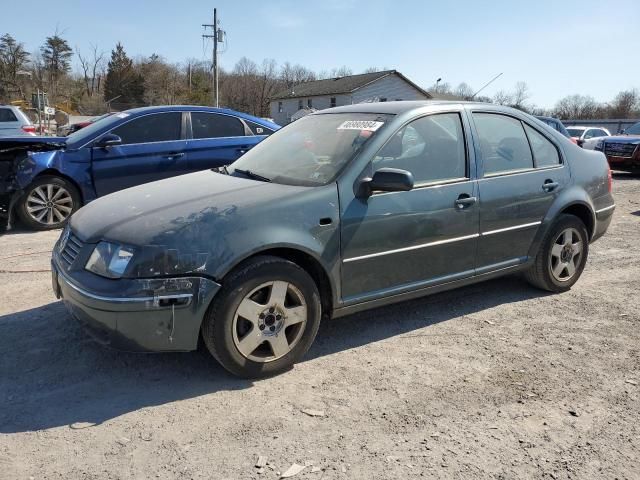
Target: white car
x=587 y=137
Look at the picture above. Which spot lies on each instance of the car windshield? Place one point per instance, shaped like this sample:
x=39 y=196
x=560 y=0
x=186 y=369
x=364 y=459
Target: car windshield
x=575 y=132
x=311 y=151
x=633 y=129
x=84 y=135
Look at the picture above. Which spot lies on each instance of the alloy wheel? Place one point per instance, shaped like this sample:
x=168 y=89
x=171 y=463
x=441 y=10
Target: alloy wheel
x=566 y=254
x=269 y=321
x=49 y=204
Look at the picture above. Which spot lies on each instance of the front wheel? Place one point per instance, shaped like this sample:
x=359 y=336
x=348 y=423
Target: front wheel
x=562 y=255
x=48 y=203
x=264 y=319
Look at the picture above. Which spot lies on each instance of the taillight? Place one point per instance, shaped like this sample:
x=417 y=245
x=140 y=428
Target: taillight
x=609 y=178
x=29 y=128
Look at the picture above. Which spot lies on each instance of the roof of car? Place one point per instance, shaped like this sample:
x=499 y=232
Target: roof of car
x=398 y=107
x=579 y=127
x=198 y=108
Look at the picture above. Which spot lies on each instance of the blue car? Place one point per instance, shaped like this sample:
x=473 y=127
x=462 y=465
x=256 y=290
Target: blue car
x=43 y=180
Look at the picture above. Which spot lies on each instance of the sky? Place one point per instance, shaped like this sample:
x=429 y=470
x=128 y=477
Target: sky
x=557 y=47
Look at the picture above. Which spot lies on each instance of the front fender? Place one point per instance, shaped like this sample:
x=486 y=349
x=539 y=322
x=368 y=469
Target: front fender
x=569 y=197
x=71 y=164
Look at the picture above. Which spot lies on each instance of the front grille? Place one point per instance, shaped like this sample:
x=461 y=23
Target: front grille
x=71 y=249
x=619 y=149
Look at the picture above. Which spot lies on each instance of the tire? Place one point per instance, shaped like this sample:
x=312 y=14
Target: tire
x=558 y=266
x=48 y=203
x=264 y=319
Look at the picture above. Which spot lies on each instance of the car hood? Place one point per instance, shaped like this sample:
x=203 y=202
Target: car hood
x=173 y=211
x=633 y=139
x=32 y=144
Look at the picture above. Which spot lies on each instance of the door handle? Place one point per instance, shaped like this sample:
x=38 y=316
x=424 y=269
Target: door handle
x=465 y=201
x=174 y=156
x=549 y=185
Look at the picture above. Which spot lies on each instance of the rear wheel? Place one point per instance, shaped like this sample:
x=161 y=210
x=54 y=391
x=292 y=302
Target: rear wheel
x=264 y=319
x=48 y=203
x=562 y=255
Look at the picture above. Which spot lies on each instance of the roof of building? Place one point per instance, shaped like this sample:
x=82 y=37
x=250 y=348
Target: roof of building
x=340 y=85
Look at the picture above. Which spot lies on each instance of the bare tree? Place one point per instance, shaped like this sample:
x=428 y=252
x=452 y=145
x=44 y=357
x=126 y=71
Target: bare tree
x=577 y=107
x=625 y=104
x=502 y=98
x=520 y=95
x=464 y=91
x=93 y=69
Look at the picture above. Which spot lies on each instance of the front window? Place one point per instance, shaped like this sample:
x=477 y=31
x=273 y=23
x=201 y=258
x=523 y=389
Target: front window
x=432 y=148
x=311 y=151
x=633 y=130
x=157 y=127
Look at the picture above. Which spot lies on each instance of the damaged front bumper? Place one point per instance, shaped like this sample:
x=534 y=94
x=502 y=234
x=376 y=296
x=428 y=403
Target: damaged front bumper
x=141 y=315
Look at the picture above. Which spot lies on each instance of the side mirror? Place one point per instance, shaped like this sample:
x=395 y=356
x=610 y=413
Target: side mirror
x=386 y=180
x=108 y=140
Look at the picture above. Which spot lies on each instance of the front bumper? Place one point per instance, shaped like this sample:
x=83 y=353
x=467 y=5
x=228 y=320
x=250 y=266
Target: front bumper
x=630 y=164
x=151 y=315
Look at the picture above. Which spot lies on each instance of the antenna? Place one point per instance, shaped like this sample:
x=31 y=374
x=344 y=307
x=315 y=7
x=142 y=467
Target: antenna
x=485 y=85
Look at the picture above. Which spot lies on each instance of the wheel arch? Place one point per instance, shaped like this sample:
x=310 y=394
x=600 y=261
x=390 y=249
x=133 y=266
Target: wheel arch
x=584 y=213
x=52 y=172
x=305 y=260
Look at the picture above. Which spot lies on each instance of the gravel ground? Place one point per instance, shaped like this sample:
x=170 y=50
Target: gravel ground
x=496 y=380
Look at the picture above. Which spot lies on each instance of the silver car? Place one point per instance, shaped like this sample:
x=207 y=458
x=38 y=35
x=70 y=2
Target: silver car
x=14 y=123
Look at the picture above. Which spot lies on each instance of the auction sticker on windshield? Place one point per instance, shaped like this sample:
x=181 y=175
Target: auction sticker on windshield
x=370 y=125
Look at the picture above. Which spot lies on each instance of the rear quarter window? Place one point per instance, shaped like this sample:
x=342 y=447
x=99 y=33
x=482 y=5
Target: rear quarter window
x=258 y=129
x=545 y=153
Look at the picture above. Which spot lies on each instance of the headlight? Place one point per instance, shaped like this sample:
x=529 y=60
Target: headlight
x=109 y=260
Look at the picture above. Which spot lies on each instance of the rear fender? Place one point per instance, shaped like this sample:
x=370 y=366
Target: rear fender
x=569 y=197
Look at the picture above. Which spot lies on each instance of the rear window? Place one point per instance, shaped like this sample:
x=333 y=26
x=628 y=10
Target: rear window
x=6 y=115
x=575 y=132
x=213 y=125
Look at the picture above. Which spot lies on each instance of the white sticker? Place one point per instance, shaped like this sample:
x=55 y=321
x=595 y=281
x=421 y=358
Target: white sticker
x=370 y=125
x=122 y=115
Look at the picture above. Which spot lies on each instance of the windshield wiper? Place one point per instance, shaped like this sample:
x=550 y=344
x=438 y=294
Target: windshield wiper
x=253 y=175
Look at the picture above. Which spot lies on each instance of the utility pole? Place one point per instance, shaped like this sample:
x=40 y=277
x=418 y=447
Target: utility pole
x=217 y=37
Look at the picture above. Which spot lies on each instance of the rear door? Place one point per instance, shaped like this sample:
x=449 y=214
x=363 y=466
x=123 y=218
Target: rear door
x=152 y=148
x=217 y=139
x=521 y=175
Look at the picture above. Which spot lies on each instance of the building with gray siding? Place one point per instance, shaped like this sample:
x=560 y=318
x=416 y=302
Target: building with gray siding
x=385 y=86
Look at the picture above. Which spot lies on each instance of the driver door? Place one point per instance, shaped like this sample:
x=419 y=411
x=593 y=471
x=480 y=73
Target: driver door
x=152 y=149
x=400 y=241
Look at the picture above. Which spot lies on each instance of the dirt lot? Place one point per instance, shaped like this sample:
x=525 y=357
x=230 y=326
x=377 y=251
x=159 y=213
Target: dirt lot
x=497 y=380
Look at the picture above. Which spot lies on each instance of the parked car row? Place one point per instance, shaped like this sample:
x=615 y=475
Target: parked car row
x=344 y=210
x=45 y=179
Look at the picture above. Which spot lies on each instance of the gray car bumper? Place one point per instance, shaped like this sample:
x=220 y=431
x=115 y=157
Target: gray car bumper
x=165 y=316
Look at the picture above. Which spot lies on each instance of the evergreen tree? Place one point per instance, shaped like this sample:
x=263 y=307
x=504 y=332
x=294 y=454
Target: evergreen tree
x=13 y=59
x=123 y=86
x=56 y=56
